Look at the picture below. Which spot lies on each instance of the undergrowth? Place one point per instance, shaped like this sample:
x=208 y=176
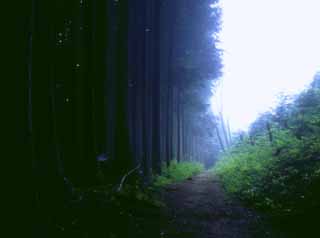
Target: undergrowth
x=276 y=166
x=104 y=210
x=177 y=172
x=281 y=182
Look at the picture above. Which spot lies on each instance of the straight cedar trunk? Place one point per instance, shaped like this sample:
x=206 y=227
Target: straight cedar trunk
x=94 y=77
x=29 y=109
x=110 y=83
x=224 y=130
x=219 y=138
x=166 y=45
x=122 y=140
x=193 y=145
x=149 y=74
x=66 y=90
x=169 y=125
x=184 y=136
x=143 y=78
x=179 y=118
x=25 y=130
x=229 y=131
x=81 y=169
x=133 y=81
x=30 y=74
x=99 y=61
x=140 y=14
x=79 y=76
x=146 y=167
x=49 y=184
x=170 y=87
x=145 y=88
x=169 y=104
x=165 y=37
x=156 y=156
x=97 y=41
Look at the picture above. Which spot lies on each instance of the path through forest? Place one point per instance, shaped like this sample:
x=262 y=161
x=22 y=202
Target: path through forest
x=199 y=208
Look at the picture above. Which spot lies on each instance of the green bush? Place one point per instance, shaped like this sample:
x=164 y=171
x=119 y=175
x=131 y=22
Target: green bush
x=177 y=172
x=242 y=168
x=279 y=178
x=281 y=175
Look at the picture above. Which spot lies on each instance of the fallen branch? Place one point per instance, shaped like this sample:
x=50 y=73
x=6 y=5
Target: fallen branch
x=125 y=177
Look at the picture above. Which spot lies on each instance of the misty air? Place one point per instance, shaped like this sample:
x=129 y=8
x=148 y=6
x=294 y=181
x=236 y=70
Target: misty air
x=169 y=118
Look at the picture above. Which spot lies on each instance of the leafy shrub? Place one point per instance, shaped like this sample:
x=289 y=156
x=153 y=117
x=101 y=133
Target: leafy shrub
x=281 y=175
x=177 y=172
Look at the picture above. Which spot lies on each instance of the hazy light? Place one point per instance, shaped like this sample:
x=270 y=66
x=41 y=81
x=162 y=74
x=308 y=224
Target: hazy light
x=271 y=46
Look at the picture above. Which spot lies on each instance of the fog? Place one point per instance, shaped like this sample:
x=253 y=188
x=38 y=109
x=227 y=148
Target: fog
x=270 y=47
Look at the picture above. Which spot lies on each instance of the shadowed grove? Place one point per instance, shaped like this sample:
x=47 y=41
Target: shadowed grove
x=114 y=112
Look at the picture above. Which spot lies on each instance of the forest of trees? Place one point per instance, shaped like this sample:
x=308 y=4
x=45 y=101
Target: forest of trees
x=111 y=96
x=112 y=86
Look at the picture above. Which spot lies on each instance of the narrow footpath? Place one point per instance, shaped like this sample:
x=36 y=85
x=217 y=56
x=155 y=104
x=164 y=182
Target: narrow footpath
x=199 y=208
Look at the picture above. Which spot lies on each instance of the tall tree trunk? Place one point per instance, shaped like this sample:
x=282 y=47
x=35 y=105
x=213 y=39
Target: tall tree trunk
x=122 y=145
x=229 y=131
x=156 y=88
x=219 y=138
x=178 y=100
x=224 y=130
x=270 y=136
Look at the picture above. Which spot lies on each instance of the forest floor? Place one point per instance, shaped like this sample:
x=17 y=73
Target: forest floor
x=195 y=208
x=199 y=208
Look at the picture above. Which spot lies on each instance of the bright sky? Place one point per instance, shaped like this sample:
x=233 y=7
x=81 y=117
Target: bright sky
x=270 y=46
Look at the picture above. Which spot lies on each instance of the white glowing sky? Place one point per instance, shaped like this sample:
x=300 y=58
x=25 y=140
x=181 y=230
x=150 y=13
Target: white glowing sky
x=271 y=46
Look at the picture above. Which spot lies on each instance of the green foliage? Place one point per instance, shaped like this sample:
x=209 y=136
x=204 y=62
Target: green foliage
x=177 y=172
x=282 y=175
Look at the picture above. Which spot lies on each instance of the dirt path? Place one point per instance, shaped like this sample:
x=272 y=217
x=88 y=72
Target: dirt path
x=199 y=208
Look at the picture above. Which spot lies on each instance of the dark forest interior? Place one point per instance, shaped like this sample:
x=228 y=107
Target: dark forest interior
x=115 y=117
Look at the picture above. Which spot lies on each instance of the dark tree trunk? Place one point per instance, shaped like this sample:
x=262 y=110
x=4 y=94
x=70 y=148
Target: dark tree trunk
x=122 y=145
x=179 y=118
x=156 y=89
x=270 y=136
